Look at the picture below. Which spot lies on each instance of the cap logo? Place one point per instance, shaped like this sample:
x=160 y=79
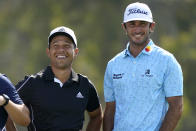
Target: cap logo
x=135 y=10
x=61 y=30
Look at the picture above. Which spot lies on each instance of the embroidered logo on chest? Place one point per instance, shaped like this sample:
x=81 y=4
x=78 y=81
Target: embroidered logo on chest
x=79 y=95
x=118 y=76
x=147 y=73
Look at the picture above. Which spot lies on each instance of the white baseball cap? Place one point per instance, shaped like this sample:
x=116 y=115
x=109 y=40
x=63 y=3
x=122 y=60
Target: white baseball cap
x=137 y=11
x=62 y=30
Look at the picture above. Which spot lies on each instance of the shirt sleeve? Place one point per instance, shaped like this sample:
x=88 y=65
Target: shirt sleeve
x=173 y=82
x=10 y=90
x=24 y=89
x=93 y=99
x=108 y=85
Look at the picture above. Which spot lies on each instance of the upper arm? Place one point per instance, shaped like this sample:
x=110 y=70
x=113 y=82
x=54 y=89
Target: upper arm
x=9 y=89
x=93 y=99
x=173 y=79
x=110 y=108
x=108 y=84
x=94 y=123
x=108 y=119
x=175 y=102
x=96 y=113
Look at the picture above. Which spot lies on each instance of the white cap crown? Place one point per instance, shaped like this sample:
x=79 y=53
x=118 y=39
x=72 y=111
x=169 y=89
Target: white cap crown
x=63 y=30
x=137 y=11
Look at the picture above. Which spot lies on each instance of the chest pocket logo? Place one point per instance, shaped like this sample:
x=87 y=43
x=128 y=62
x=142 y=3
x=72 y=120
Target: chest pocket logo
x=147 y=73
x=118 y=76
x=79 y=95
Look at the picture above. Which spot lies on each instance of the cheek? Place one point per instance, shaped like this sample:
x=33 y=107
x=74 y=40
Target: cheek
x=129 y=32
x=69 y=52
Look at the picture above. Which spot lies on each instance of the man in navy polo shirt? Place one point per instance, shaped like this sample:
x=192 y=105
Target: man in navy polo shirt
x=143 y=85
x=57 y=96
x=11 y=104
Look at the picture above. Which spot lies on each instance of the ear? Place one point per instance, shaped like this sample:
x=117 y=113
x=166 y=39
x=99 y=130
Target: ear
x=124 y=28
x=48 y=52
x=76 y=51
x=152 y=27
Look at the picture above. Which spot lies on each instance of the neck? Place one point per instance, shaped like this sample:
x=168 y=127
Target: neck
x=135 y=49
x=62 y=74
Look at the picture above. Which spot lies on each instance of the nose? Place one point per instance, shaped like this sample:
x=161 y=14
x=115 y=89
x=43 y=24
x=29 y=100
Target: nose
x=60 y=49
x=137 y=29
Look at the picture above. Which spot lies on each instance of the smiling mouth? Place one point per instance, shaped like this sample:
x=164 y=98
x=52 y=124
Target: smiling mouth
x=60 y=57
x=138 y=35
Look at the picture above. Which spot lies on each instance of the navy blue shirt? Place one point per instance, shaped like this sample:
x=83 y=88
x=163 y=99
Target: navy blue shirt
x=6 y=87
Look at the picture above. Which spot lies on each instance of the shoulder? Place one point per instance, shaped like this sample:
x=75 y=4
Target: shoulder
x=117 y=58
x=6 y=87
x=162 y=53
x=85 y=82
x=35 y=76
x=29 y=80
x=83 y=78
x=4 y=81
x=165 y=56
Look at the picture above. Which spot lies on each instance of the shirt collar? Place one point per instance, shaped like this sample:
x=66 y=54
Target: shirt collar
x=49 y=75
x=126 y=51
x=147 y=50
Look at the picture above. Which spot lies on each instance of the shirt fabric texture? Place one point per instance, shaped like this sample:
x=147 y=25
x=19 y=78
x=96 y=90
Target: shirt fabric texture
x=55 y=108
x=6 y=87
x=140 y=86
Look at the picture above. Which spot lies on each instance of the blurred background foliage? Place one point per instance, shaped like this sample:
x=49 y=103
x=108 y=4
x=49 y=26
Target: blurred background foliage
x=25 y=26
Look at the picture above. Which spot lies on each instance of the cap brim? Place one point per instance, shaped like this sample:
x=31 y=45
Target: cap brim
x=140 y=19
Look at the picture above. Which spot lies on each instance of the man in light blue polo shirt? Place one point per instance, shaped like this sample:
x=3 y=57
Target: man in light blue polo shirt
x=143 y=85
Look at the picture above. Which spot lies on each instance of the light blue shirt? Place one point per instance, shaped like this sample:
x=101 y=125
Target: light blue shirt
x=140 y=85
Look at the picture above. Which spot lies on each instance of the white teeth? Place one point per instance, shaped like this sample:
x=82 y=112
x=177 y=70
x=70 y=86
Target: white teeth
x=137 y=35
x=61 y=57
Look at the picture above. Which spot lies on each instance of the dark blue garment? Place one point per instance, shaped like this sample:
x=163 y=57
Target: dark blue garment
x=56 y=108
x=6 y=87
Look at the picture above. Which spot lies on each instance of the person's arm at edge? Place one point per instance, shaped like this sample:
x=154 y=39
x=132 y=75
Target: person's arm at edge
x=18 y=113
x=95 y=121
x=108 y=119
x=10 y=125
x=173 y=114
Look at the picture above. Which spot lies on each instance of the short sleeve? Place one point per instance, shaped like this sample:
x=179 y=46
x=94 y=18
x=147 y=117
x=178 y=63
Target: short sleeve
x=108 y=82
x=93 y=99
x=173 y=79
x=9 y=90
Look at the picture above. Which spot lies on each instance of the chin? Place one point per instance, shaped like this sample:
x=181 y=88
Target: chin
x=140 y=42
x=59 y=66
